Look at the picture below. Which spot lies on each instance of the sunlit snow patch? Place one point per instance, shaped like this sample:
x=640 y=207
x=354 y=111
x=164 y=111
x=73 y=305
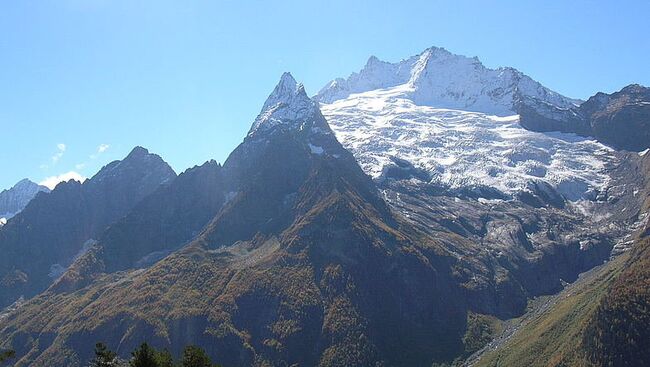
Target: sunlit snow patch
x=316 y=149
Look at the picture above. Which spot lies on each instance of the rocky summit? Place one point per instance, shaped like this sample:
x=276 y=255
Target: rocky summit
x=41 y=241
x=619 y=119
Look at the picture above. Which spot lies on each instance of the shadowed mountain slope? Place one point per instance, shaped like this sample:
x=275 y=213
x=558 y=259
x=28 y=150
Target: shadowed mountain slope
x=54 y=229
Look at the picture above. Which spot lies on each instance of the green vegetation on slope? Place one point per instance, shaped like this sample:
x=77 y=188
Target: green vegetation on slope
x=554 y=337
x=481 y=329
x=6 y=355
x=602 y=320
x=147 y=356
x=619 y=331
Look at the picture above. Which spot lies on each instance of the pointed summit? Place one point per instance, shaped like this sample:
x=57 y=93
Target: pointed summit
x=138 y=151
x=372 y=60
x=287 y=86
x=24 y=182
x=137 y=164
x=288 y=104
x=13 y=200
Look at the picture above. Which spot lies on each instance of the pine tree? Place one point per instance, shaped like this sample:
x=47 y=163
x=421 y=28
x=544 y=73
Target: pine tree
x=104 y=357
x=144 y=356
x=194 y=356
x=164 y=359
x=6 y=355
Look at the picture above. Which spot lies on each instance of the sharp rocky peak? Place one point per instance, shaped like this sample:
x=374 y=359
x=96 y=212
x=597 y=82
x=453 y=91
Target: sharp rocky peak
x=288 y=105
x=138 y=162
x=137 y=152
x=27 y=184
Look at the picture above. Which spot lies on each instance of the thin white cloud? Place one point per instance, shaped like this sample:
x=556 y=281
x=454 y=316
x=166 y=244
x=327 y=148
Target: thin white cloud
x=79 y=166
x=100 y=149
x=52 y=181
x=60 y=150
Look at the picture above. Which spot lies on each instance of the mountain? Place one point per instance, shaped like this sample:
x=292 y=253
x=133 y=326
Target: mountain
x=456 y=150
x=159 y=224
x=372 y=230
x=438 y=78
x=552 y=204
x=43 y=239
x=620 y=119
x=15 y=199
x=290 y=254
x=617 y=334
x=548 y=204
x=303 y=262
x=601 y=320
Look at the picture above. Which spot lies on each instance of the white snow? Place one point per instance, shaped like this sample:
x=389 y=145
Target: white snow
x=56 y=270
x=316 y=149
x=438 y=78
x=643 y=153
x=460 y=148
x=151 y=258
x=15 y=199
x=287 y=105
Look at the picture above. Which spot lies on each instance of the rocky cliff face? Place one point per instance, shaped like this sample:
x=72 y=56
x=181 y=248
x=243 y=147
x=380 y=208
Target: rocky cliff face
x=600 y=320
x=620 y=119
x=54 y=229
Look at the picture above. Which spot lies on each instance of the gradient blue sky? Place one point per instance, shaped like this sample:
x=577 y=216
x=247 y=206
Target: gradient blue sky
x=186 y=78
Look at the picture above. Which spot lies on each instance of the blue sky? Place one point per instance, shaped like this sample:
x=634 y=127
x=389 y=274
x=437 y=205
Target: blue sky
x=83 y=81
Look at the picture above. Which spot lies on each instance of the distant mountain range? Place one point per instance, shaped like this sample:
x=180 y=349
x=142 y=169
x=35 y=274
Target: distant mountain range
x=13 y=200
x=41 y=241
x=400 y=217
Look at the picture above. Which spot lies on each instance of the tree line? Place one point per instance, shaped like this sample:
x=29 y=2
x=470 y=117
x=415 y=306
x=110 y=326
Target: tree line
x=143 y=356
x=147 y=356
x=6 y=355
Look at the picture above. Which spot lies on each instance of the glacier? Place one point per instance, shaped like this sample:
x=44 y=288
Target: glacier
x=464 y=149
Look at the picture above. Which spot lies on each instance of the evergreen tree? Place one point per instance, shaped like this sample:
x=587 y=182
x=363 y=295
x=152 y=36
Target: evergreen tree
x=164 y=359
x=194 y=356
x=6 y=355
x=104 y=357
x=144 y=356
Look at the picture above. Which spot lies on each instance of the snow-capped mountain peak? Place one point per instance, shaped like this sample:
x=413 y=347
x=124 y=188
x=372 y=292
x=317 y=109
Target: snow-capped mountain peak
x=439 y=78
x=287 y=105
x=16 y=198
x=454 y=120
x=283 y=92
